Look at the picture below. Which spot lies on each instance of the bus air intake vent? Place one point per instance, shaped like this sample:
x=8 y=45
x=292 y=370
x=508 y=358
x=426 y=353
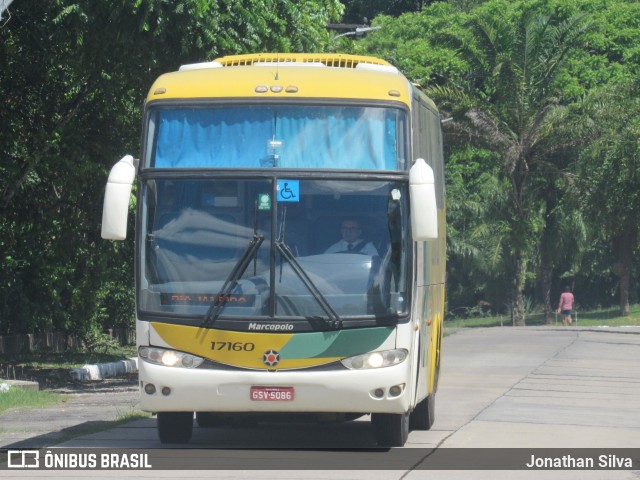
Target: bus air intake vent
x=328 y=60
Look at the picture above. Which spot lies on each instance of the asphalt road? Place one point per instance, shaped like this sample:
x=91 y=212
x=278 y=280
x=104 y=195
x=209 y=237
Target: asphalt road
x=501 y=388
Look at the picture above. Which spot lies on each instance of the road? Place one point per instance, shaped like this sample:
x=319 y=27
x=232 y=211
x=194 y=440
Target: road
x=526 y=388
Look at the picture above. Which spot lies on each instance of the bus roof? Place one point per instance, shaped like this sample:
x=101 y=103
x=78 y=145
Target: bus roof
x=290 y=75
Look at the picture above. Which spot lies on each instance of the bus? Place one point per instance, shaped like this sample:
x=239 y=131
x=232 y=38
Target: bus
x=252 y=169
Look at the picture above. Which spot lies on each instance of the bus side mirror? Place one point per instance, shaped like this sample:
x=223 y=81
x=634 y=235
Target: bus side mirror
x=115 y=209
x=424 y=212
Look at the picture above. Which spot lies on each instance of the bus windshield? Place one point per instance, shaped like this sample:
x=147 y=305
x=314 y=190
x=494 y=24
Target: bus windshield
x=274 y=248
x=278 y=136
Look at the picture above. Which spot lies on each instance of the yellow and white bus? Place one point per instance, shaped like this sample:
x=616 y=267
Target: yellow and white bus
x=252 y=169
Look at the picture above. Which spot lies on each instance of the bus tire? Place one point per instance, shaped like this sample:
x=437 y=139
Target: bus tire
x=423 y=415
x=391 y=429
x=175 y=427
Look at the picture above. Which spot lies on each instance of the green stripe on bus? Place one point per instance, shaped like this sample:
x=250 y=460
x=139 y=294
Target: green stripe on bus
x=344 y=343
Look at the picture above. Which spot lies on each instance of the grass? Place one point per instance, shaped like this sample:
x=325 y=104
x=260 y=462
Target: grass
x=20 y=399
x=594 y=318
x=50 y=370
x=54 y=368
x=17 y=397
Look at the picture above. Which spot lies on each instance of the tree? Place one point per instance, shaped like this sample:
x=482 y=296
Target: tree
x=609 y=173
x=413 y=43
x=608 y=168
x=470 y=55
x=510 y=104
x=361 y=11
x=476 y=232
x=73 y=75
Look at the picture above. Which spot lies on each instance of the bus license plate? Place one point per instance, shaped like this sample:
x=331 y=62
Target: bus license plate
x=272 y=394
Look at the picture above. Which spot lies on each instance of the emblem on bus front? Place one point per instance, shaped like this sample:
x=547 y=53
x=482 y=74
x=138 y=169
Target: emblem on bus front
x=271 y=358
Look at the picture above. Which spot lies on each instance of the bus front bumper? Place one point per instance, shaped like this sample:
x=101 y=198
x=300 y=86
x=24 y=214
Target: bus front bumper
x=383 y=390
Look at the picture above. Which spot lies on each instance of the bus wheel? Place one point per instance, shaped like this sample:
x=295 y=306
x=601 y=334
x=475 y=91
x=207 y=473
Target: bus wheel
x=423 y=415
x=175 y=427
x=392 y=429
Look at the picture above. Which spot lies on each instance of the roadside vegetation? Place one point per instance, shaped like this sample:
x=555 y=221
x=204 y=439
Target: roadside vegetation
x=18 y=399
x=66 y=360
x=594 y=318
x=51 y=370
x=23 y=398
x=542 y=158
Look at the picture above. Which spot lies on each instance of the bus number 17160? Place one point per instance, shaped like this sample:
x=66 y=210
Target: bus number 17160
x=233 y=346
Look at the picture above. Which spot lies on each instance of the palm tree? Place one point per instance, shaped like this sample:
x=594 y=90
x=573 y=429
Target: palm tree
x=476 y=230
x=610 y=175
x=509 y=104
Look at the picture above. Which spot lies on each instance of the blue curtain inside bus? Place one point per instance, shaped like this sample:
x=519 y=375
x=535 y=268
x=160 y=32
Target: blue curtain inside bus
x=315 y=137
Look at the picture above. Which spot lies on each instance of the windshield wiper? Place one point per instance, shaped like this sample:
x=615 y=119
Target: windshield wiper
x=232 y=280
x=334 y=320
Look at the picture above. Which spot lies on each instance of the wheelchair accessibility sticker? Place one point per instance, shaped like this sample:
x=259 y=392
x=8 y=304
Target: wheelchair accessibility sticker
x=288 y=190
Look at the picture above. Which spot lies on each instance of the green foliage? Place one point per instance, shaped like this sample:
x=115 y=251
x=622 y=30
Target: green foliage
x=609 y=176
x=73 y=76
x=477 y=230
x=24 y=399
x=509 y=106
x=610 y=166
x=542 y=152
x=360 y=11
x=515 y=78
x=591 y=318
x=414 y=43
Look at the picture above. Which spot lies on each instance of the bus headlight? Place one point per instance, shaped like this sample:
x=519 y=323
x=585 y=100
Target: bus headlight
x=169 y=358
x=386 y=358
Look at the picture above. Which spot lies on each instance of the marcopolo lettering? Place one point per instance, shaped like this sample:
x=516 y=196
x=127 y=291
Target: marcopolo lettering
x=271 y=327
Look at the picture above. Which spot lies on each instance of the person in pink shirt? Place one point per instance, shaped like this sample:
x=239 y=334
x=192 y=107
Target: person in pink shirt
x=565 y=305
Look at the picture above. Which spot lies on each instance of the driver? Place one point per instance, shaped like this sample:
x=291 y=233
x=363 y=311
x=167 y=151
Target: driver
x=352 y=240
